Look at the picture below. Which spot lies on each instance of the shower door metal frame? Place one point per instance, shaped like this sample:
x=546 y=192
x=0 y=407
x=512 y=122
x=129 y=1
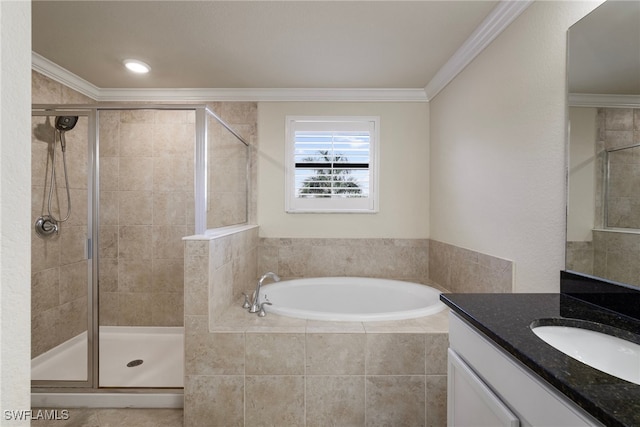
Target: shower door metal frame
x=200 y=190
x=90 y=250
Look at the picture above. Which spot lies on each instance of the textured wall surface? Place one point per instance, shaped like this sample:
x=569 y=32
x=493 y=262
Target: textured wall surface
x=15 y=63
x=498 y=148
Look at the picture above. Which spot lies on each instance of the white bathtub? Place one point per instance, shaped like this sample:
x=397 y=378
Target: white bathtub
x=351 y=299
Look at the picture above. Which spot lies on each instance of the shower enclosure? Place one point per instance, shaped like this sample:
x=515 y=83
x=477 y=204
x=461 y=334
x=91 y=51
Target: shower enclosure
x=107 y=283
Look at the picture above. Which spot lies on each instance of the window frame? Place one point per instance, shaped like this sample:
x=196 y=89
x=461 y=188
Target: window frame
x=295 y=204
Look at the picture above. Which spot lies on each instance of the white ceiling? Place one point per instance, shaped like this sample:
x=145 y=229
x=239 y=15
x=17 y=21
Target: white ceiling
x=262 y=44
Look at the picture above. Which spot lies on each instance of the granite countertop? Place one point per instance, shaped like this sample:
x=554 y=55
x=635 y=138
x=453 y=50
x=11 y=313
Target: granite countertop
x=506 y=320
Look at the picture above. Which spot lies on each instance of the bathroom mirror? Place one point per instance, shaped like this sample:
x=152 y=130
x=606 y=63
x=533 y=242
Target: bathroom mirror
x=603 y=209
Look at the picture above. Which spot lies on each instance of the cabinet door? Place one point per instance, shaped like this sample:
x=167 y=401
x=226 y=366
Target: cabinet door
x=471 y=402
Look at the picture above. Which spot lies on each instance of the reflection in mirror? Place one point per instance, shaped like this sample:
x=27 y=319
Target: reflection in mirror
x=603 y=212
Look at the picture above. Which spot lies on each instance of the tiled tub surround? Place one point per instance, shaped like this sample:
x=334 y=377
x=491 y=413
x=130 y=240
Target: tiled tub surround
x=300 y=257
x=462 y=270
x=245 y=370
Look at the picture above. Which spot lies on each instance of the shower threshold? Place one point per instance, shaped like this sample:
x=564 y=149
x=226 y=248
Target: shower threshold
x=129 y=357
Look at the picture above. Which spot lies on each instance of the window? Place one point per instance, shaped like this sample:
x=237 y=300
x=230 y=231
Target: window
x=332 y=164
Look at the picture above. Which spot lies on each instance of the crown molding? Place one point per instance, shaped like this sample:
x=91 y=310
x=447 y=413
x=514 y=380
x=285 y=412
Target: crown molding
x=598 y=100
x=495 y=23
x=55 y=72
x=265 y=94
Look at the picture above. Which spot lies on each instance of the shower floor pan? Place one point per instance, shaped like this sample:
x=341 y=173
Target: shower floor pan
x=129 y=357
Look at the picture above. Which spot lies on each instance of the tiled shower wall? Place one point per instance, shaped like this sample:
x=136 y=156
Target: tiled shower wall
x=146 y=208
x=58 y=264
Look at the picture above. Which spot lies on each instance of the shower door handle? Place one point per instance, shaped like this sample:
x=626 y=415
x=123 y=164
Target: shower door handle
x=88 y=249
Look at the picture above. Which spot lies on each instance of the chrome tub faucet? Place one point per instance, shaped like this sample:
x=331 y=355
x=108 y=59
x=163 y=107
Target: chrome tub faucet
x=255 y=306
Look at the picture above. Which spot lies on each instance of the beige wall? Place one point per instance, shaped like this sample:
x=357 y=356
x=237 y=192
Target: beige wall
x=404 y=173
x=582 y=168
x=498 y=148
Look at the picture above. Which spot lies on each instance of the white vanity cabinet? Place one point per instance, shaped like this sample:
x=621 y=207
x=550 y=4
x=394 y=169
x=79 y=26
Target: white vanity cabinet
x=489 y=388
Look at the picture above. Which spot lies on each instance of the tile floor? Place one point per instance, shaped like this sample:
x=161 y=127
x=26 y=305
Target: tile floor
x=91 y=417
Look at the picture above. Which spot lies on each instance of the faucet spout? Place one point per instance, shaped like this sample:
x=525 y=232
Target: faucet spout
x=255 y=305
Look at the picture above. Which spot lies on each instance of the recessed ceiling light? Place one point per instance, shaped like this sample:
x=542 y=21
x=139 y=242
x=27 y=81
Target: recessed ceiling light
x=136 y=66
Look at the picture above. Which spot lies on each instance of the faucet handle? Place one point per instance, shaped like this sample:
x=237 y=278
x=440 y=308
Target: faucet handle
x=262 y=312
x=246 y=303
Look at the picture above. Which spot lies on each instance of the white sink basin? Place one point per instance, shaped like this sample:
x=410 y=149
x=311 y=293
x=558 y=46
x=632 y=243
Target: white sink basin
x=613 y=355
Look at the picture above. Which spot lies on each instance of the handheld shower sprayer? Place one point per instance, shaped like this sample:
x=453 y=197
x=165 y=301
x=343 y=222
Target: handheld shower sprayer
x=63 y=124
x=47 y=225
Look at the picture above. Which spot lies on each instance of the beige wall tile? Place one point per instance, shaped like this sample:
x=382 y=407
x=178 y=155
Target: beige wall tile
x=109 y=308
x=44 y=90
x=275 y=354
x=136 y=174
x=136 y=140
x=395 y=401
x=137 y=116
x=109 y=208
x=45 y=326
x=196 y=286
x=108 y=241
x=72 y=244
x=45 y=289
x=135 y=208
x=275 y=400
x=135 y=242
x=167 y=308
x=135 y=275
x=74 y=281
x=335 y=401
x=173 y=139
x=216 y=401
x=395 y=354
x=168 y=275
x=171 y=174
x=335 y=354
x=73 y=319
x=135 y=309
x=169 y=208
x=436 y=400
x=436 y=346
x=214 y=354
x=167 y=241
x=109 y=174
x=109 y=134
x=44 y=253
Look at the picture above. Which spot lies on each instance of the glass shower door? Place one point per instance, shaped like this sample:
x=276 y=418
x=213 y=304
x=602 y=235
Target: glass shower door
x=60 y=247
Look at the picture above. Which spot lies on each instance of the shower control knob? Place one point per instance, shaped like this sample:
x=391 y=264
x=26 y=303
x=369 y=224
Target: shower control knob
x=46 y=227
